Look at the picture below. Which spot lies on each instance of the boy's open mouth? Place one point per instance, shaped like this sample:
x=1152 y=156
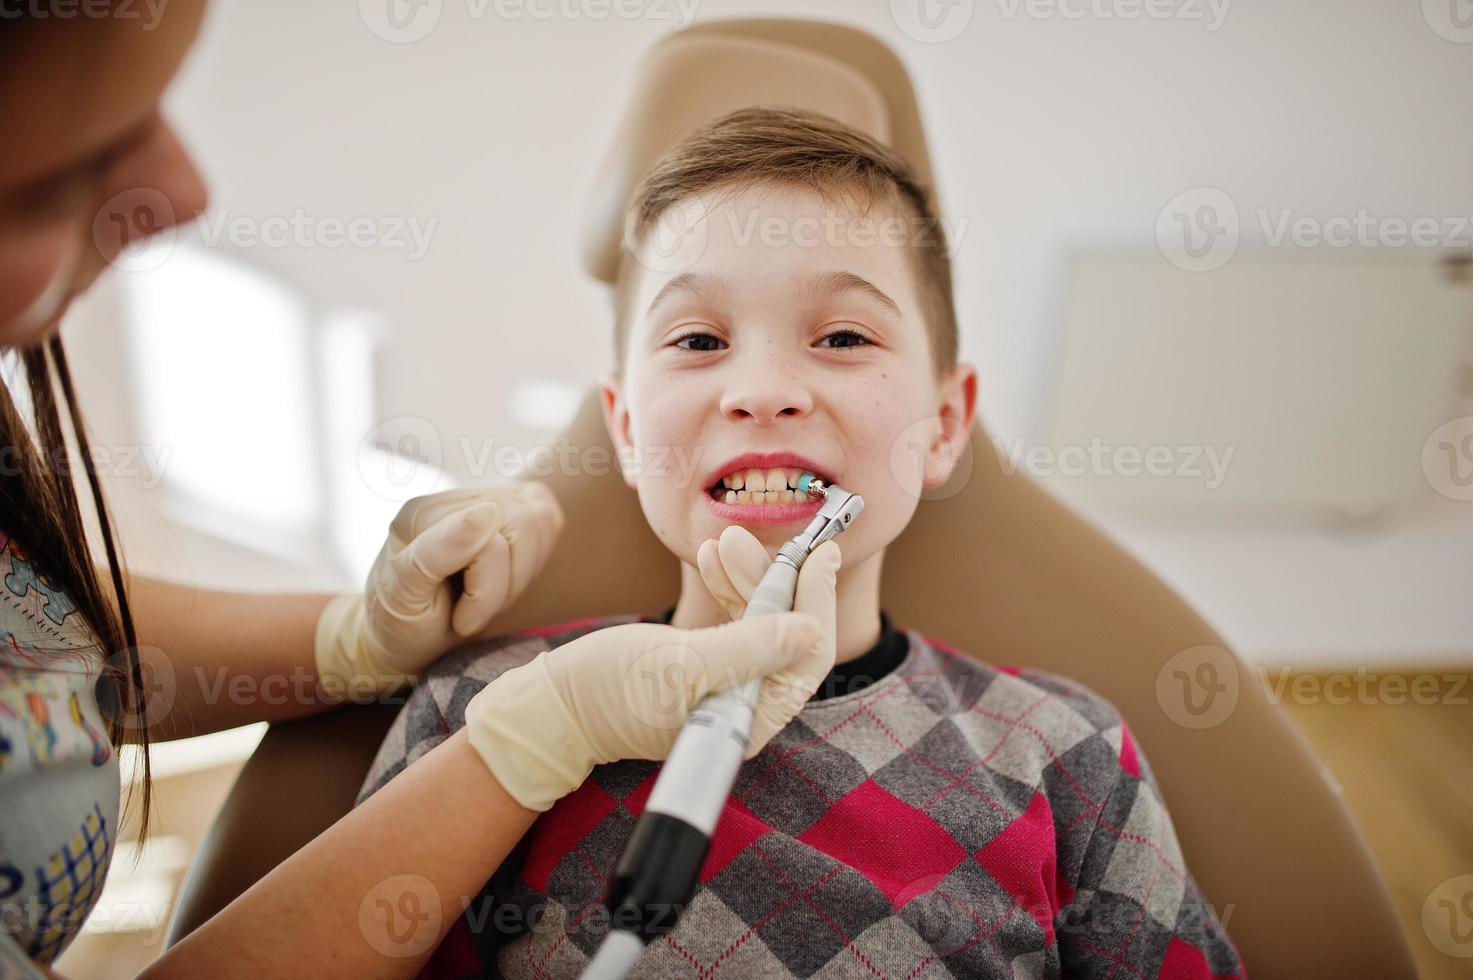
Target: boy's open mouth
x=757 y=486
x=762 y=488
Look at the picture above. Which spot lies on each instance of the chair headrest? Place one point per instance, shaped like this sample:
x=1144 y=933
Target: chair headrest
x=711 y=69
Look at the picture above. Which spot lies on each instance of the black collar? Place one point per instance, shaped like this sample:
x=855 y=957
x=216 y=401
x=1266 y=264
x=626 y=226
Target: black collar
x=857 y=674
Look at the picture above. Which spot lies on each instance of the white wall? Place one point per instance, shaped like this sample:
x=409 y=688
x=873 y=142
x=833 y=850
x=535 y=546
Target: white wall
x=1051 y=136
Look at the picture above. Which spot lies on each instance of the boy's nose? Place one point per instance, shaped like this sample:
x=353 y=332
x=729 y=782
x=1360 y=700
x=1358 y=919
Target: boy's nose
x=766 y=401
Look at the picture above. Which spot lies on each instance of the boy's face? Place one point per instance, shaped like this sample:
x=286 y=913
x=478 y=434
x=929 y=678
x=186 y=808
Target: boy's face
x=758 y=334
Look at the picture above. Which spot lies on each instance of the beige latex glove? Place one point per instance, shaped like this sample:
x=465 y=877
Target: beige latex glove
x=732 y=565
x=623 y=692
x=410 y=612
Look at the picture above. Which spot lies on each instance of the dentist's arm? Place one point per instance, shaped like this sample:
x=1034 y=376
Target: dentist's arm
x=373 y=895
x=450 y=563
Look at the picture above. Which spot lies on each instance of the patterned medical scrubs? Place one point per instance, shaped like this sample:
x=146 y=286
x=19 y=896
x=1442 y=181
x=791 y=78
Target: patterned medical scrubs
x=59 y=781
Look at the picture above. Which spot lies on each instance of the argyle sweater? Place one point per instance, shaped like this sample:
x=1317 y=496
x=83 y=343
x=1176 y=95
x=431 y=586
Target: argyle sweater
x=952 y=818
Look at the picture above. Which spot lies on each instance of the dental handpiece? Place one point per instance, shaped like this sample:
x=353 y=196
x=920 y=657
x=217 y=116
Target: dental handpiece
x=657 y=873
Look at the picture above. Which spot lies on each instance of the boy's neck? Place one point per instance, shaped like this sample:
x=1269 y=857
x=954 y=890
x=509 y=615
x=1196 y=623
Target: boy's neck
x=857 y=616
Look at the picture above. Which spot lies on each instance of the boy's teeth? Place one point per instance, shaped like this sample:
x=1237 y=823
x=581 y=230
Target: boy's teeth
x=762 y=481
x=761 y=497
x=770 y=486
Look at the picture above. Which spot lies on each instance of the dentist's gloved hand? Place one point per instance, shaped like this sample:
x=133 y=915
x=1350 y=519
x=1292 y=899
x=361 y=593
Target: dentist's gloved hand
x=623 y=692
x=497 y=539
x=732 y=565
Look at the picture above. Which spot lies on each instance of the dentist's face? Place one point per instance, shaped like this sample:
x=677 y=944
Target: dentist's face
x=787 y=329
x=89 y=165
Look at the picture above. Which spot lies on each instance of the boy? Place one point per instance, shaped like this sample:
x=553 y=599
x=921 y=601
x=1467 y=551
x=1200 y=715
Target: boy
x=925 y=814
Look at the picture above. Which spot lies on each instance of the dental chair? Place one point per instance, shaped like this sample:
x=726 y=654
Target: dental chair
x=991 y=564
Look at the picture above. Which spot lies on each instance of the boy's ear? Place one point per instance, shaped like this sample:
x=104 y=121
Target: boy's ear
x=954 y=415
x=616 y=420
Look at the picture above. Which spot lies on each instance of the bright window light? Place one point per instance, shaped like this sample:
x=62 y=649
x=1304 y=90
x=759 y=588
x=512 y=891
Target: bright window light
x=374 y=465
x=221 y=372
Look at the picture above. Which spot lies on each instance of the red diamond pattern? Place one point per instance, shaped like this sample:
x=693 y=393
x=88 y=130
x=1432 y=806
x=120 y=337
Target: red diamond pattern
x=911 y=846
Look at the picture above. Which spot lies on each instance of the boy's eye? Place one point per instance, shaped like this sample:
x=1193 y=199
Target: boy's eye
x=855 y=338
x=707 y=342
x=680 y=342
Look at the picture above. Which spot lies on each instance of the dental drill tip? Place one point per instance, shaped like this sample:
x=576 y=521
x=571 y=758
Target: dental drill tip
x=813 y=485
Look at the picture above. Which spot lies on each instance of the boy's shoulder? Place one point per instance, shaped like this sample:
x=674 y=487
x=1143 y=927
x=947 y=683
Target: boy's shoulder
x=946 y=678
x=1013 y=690
x=1042 y=731
x=982 y=702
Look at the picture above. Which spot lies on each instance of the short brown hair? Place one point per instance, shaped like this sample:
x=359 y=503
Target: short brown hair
x=794 y=147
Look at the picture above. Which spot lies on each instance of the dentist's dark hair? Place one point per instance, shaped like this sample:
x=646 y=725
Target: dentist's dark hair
x=40 y=512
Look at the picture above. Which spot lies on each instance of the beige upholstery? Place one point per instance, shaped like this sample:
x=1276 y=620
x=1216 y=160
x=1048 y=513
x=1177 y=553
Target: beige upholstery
x=991 y=564
x=714 y=68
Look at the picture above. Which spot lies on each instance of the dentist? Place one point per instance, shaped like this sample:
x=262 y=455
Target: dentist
x=79 y=109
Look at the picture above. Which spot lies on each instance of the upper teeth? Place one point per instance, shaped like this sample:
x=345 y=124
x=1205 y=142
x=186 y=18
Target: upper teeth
x=758 y=481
